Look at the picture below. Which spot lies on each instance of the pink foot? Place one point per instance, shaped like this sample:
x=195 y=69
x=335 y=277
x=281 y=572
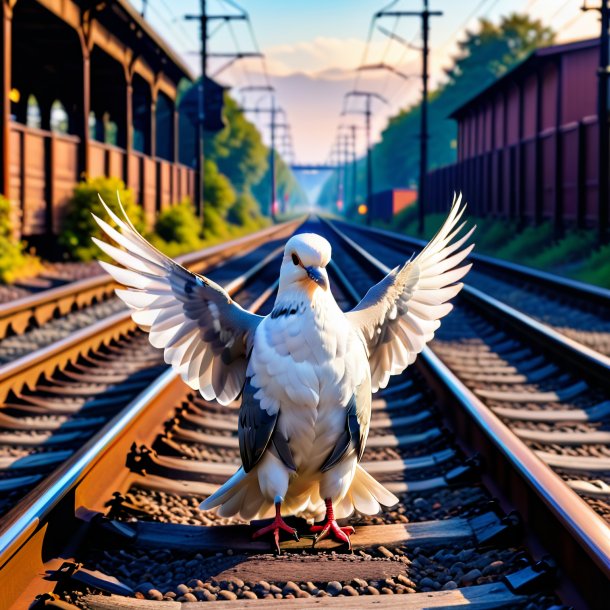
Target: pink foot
x=275 y=526
x=332 y=528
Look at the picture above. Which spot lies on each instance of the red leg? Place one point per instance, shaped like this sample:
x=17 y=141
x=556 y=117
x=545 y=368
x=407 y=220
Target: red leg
x=275 y=526
x=331 y=528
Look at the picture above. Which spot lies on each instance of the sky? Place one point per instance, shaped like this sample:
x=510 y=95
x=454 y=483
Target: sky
x=312 y=48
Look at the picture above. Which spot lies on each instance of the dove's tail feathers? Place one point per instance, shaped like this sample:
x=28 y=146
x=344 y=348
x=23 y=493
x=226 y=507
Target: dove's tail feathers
x=240 y=496
x=368 y=494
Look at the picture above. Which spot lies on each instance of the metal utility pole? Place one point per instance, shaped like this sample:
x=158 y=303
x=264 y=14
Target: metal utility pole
x=368 y=96
x=369 y=162
x=272 y=160
x=345 y=165
x=203 y=34
x=273 y=111
x=354 y=166
x=424 y=15
x=203 y=19
x=602 y=120
x=342 y=151
x=350 y=157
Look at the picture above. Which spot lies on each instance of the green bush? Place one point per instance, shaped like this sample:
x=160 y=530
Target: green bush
x=79 y=226
x=178 y=230
x=214 y=223
x=15 y=262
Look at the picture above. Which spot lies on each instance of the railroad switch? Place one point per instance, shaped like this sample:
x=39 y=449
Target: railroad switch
x=532 y=578
x=489 y=529
x=72 y=571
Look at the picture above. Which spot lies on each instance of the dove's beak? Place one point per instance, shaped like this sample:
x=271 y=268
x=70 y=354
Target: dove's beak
x=318 y=275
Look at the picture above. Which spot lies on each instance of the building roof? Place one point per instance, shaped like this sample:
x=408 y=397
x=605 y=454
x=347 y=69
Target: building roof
x=524 y=68
x=155 y=37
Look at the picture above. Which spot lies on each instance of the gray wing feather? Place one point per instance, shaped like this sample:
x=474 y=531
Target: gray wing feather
x=357 y=421
x=257 y=429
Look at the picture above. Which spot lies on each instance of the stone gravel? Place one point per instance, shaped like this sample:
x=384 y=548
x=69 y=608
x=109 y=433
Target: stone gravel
x=167 y=575
x=16 y=346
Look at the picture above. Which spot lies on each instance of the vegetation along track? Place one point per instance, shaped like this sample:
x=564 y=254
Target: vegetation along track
x=543 y=404
x=55 y=398
x=131 y=498
x=579 y=311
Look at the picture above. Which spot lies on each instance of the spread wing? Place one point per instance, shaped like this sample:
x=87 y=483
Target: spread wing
x=400 y=314
x=205 y=335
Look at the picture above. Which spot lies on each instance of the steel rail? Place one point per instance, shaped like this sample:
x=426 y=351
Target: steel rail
x=85 y=478
x=590 y=362
x=42 y=306
x=587 y=554
x=27 y=370
x=558 y=283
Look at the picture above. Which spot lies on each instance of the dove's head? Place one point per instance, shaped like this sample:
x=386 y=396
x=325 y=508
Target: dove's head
x=304 y=264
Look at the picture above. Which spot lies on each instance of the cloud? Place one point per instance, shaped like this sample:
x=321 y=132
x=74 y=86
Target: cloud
x=323 y=55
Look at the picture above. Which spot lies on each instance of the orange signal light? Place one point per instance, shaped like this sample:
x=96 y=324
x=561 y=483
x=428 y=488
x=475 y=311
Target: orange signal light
x=362 y=209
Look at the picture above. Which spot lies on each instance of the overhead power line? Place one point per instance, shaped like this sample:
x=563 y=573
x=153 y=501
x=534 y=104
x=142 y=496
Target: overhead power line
x=424 y=15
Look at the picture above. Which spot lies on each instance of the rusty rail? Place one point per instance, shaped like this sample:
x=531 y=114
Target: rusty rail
x=40 y=307
x=68 y=499
x=25 y=372
x=560 y=518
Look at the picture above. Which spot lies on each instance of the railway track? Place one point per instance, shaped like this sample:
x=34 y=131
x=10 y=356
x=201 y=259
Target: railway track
x=578 y=311
x=130 y=499
x=56 y=397
x=52 y=276
x=545 y=397
x=42 y=317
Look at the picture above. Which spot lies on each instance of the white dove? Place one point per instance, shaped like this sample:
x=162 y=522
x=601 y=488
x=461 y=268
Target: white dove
x=306 y=371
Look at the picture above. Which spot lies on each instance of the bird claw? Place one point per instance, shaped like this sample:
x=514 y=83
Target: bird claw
x=275 y=526
x=332 y=528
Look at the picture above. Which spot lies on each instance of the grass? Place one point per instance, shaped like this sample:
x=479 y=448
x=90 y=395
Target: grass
x=595 y=269
x=575 y=255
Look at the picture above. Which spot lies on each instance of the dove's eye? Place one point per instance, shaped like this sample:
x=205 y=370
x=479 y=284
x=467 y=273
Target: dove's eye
x=295 y=259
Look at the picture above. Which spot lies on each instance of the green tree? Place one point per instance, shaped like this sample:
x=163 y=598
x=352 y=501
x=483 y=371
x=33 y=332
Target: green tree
x=238 y=150
x=219 y=193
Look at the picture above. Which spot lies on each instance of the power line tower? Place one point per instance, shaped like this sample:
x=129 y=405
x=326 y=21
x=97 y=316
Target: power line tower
x=424 y=15
x=603 y=190
x=204 y=19
x=349 y=163
x=368 y=96
x=273 y=111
